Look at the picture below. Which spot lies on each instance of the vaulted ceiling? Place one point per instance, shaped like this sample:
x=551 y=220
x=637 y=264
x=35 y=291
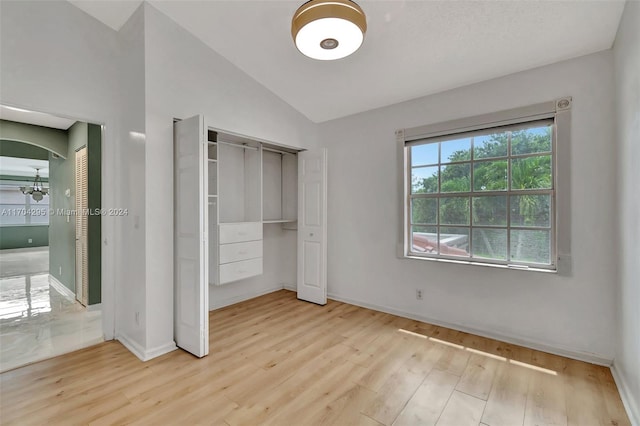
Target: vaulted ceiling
x=412 y=48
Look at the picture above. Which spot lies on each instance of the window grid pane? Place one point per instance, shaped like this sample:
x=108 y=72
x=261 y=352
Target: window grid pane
x=424 y=180
x=455 y=177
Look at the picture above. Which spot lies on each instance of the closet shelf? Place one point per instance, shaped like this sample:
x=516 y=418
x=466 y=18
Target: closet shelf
x=280 y=221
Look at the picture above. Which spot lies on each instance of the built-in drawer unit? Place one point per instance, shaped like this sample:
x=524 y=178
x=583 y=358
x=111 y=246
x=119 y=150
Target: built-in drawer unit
x=235 y=271
x=240 y=232
x=240 y=251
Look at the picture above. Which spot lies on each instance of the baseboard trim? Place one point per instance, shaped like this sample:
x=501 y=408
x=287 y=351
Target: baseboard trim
x=290 y=287
x=94 y=307
x=61 y=288
x=217 y=304
x=160 y=350
x=130 y=344
x=629 y=402
x=532 y=344
x=145 y=354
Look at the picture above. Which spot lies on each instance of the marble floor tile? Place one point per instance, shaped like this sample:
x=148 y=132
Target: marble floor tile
x=24 y=261
x=36 y=321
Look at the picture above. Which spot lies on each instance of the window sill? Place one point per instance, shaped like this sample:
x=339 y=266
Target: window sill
x=490 y=265
x=17 y=225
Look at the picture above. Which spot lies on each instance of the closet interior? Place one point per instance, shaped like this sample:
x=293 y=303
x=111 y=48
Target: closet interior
x=250 y=184
x=228 y=189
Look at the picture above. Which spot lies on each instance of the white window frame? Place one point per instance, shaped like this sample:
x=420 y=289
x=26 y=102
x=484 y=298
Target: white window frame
x=559 y=111
x=27 y=207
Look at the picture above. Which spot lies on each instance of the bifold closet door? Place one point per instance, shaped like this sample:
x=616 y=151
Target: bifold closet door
x=82 y=227
x=312 y=226
x=191 y=290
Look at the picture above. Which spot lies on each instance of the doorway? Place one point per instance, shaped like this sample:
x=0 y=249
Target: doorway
x=50 y=260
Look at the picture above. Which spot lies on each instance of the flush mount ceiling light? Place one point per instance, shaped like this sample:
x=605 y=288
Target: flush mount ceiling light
x=328 y=29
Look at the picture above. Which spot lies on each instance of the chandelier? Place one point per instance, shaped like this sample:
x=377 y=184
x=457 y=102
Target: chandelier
x=37 y=190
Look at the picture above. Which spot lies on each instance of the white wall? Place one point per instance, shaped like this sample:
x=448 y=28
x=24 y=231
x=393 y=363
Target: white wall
x=131 y=307
x=55 y=58
x=567 y=314
x=184 y=78
x=627 y=85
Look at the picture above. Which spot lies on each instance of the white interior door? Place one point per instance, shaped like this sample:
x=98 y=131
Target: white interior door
x=191 y=291
x=82 y=227
x=312 y=226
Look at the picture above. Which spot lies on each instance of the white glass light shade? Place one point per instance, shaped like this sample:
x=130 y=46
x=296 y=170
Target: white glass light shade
x=328 y=29
x=346 y=33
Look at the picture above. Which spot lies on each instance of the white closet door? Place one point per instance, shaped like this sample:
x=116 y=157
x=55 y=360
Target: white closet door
x=190 y=245
x=312 y=226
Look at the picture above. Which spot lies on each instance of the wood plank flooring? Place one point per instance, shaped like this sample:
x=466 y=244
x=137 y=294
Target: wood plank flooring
x=279 y=361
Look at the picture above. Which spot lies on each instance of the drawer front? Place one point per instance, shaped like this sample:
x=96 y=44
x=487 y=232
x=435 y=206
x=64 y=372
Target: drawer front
x=240 y=251
x=239 y=232
x=239 y=270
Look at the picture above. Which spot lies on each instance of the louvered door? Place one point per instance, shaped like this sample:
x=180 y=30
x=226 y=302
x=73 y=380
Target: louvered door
x=82 y=227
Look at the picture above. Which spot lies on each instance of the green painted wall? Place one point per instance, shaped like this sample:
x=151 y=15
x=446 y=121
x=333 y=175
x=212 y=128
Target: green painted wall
x=95 y=203
x=62 y=228
x=9 y=148
x=54 y=140
x=12 y=237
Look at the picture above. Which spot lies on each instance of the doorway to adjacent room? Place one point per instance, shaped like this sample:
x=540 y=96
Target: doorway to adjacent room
x=50 y=260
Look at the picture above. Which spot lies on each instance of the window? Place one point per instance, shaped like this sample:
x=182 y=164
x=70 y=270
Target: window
x=18 y=209
x=485 y=193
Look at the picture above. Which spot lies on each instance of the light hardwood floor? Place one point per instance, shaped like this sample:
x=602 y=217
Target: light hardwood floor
x=276 y=360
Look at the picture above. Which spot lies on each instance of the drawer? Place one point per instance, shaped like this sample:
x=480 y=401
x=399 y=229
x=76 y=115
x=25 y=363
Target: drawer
x=240 y=251
x=239 y=270
x=239 y=232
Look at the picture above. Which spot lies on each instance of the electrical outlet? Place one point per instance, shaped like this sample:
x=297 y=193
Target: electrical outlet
x=418 y=294
x=60 y=271
x=30 y=240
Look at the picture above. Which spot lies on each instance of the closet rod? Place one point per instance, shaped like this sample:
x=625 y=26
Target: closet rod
x=277 y=151
x=237 y=145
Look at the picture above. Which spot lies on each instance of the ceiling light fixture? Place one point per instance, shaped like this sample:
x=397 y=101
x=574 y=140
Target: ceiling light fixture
x=328 y=29
x=37 y=190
